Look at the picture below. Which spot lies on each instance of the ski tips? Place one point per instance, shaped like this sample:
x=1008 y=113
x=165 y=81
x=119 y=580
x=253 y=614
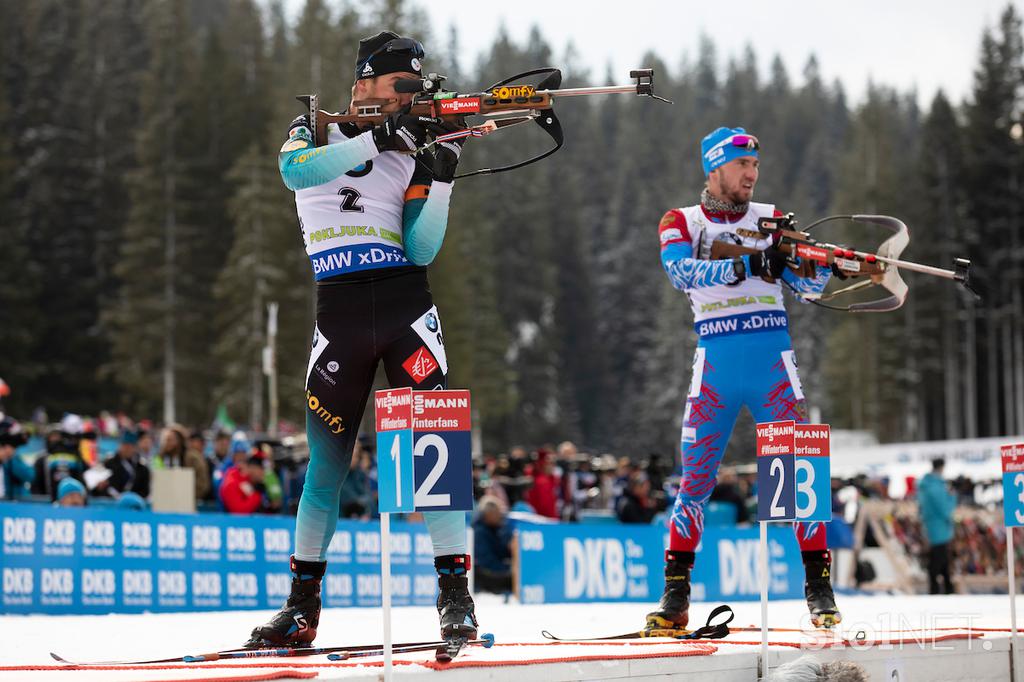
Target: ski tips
x=488 y=640
x=58 y=658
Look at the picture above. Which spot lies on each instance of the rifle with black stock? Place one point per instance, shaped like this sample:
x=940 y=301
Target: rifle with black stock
x=878 y=268
x=507 y=103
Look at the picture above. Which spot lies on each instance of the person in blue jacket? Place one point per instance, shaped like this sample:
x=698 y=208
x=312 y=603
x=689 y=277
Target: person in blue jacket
x=492 y=547
x=15 y=474
x=937 y=503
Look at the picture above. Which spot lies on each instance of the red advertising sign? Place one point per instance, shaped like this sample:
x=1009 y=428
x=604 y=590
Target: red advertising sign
x=1013 y=458
x=393 y=409
x=459 y=105
x=812 y=440
x=776 y=438
x=441 y=411
x=812 y=253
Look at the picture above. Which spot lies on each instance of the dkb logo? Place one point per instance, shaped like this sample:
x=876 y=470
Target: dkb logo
x=206 y=584
x=58 y=532
x=737 y=566
x=594 y=568
x=242 y=585
x=98 y=582
x=136 y=535
x=206 y=538
x=98 y=533
x=137 y=583
x=277 y=541
x=170 y=536
x=368 y=585
x=17 y=581
x=171 y=583
x=241 y=540
x=279 y=585
x=341 y=543
x=367 y=543
x=59 y=581
x=339 y=585
x=19 y=531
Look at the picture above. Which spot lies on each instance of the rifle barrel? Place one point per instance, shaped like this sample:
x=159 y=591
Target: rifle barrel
x=917 y=267
x=602 y=90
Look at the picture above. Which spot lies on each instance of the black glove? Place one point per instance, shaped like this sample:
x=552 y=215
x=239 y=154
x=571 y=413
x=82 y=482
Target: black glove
x=402 y=132
x=838 y=272
x=768 y=263
x=446 y=154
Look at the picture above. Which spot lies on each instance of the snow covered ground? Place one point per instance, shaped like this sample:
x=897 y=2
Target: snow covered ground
x=27 y=640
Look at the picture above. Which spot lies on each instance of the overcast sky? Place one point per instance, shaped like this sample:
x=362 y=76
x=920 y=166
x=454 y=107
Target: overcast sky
x=902 y=43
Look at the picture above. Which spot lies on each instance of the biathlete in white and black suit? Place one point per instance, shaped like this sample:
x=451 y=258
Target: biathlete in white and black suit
x=373 y=217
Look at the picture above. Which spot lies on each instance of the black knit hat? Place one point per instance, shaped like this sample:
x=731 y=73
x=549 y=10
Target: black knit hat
x=387 y=52
x=11 y=433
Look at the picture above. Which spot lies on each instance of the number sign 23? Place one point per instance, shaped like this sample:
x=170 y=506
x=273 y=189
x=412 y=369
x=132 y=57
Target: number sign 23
x=776 y=471
x=1013 y=484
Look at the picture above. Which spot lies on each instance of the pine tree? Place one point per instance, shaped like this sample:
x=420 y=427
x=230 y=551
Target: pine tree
x=150 y=319
x=941 y=239
x=21 y=320
x=49 y=215
x=870 y=389
x=993 y=162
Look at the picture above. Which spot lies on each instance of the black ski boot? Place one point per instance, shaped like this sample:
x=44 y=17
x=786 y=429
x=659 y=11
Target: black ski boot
x=454 y=603
x=821 y=601
x=674 y=609
x=295 y=624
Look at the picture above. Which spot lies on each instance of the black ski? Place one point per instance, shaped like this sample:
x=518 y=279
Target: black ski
x=283 y=652
x=708 y=631
x=443 y=651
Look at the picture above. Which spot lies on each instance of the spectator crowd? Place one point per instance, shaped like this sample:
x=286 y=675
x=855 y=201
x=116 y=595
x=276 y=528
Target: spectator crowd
x=114 y=460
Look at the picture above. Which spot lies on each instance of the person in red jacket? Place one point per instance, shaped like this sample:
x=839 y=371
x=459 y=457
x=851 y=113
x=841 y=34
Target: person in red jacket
x=242 y=489
x=543 y=496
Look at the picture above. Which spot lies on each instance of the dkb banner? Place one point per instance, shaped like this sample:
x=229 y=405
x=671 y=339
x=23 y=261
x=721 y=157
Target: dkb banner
x=597 y=562
x=77 y=561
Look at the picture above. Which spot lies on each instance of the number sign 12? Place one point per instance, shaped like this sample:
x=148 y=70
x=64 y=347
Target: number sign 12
x=1013 y=484
x=776 y=471
x=443 y=450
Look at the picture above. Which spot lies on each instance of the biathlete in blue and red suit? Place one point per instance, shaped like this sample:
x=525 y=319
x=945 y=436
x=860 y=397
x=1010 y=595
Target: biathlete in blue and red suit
x=744 y=356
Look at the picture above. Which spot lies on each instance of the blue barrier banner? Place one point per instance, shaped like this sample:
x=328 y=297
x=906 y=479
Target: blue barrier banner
x=597 y=562
x=86 y=561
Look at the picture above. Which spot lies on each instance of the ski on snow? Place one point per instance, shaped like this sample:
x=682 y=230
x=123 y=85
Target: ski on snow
x=334 y=652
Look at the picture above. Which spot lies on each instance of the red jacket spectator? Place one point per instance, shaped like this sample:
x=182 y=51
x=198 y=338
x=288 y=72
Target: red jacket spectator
x=543 y=496
x=242 y=489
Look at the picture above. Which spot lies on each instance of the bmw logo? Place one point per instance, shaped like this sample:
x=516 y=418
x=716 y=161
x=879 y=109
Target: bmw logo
x=431 y=322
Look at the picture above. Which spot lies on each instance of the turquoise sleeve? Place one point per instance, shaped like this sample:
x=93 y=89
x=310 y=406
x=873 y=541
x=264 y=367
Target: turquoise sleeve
x=424 y=222
x=311 y=166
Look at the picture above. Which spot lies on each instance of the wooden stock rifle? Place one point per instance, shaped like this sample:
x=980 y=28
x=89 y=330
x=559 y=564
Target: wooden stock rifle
x=880 y=268
x=504 y=104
